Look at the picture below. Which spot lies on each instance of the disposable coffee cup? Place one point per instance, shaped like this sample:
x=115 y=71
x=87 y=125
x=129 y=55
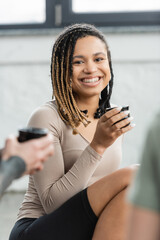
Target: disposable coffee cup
x=29 y=133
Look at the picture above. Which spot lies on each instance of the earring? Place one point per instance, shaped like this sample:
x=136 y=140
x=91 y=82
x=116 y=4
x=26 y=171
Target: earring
x=108 y=88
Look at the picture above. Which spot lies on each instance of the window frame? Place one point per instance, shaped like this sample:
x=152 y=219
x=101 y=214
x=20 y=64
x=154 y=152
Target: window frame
x=140 y=18
x=59 y=14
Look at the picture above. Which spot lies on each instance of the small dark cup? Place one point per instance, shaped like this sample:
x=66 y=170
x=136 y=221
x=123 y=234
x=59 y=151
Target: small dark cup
x=124 y=108
x=28 y=133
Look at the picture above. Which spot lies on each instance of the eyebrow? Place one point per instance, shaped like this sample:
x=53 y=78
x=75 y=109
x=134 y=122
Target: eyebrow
x=95 y=54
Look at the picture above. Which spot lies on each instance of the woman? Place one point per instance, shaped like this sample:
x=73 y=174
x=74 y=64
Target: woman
x=79 y=194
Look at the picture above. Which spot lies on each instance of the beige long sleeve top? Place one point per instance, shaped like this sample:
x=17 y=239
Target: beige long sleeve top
x=73 y=167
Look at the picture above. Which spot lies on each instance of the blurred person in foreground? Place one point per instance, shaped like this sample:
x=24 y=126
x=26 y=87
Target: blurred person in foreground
x=17 y=159
x=144 y=194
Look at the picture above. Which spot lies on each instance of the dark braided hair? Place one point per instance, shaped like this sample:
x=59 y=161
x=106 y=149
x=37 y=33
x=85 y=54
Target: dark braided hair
x=61 y=72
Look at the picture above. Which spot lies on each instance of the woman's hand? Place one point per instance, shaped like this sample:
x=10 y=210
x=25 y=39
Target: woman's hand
x=109 y=129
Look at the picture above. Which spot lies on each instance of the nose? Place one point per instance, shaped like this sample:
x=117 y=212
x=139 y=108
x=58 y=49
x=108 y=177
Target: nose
x=90 y=67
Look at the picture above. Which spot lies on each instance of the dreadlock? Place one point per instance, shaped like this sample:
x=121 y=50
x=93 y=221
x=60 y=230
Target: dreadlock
x=61 y=72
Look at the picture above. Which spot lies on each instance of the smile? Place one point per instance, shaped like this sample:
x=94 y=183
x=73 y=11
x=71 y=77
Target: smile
x=90 y=80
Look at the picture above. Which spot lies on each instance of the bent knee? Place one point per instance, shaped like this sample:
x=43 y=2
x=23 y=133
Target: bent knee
x=129 y=173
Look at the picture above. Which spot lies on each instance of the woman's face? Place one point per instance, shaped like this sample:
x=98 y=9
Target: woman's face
x=91 y=71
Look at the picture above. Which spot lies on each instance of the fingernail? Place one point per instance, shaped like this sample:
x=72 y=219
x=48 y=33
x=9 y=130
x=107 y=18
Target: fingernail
x=133 y=125
x=126 y=112
x=119 y=108
x=130 y=118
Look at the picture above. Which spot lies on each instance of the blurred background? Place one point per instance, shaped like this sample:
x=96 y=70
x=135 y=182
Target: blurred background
x=28 y=29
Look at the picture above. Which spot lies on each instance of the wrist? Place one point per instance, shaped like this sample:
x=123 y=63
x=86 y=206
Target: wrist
x=98 y=148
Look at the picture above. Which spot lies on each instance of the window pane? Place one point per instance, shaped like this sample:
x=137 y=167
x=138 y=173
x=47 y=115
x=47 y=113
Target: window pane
x=115 y=5
x=22 y=11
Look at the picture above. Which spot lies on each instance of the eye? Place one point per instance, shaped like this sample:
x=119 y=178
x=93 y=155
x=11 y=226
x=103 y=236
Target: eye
x=99 y=59
x=78 y=62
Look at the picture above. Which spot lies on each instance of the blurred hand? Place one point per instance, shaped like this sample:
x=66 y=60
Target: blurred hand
x=33 y=152
x=108 y=130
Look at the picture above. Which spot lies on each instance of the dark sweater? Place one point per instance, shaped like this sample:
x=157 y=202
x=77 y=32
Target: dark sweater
x=11 y=169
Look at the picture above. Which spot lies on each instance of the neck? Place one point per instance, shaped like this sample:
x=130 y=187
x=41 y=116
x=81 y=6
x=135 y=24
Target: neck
x=89 y=104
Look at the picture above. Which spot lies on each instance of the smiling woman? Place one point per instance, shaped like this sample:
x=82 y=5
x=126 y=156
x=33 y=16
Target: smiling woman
x=91 y=71
x=80 y=189
x=62 y=86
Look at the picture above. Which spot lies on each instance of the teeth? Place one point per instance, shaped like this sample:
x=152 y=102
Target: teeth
x=91 y=80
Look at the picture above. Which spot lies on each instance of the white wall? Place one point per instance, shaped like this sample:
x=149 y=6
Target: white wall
x=25 y=81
